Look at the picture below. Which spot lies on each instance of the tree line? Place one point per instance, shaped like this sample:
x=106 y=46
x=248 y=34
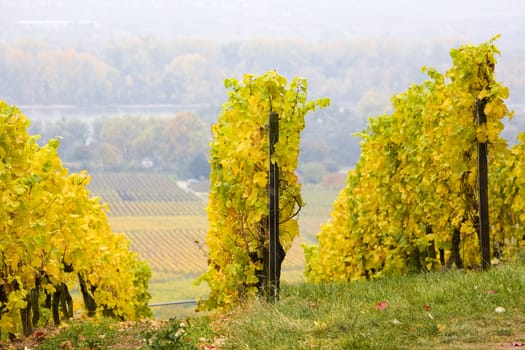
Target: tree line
x=179 y=143
x=186 y=71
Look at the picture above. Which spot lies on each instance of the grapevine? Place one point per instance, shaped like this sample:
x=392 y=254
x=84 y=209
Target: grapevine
x=410 y=204
x=237 y=238
x=55 y=234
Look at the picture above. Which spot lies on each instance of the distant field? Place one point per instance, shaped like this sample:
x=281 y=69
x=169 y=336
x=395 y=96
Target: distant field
x=316 y=212
x=130 y=194
x=167 y=225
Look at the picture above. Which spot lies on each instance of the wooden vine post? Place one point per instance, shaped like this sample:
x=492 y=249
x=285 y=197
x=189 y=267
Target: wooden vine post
x=275 y=249
x=484 y=235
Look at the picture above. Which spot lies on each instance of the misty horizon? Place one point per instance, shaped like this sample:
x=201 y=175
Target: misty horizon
x=229 y=20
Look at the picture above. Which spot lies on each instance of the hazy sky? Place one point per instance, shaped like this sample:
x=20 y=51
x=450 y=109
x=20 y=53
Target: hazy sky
x=240 y=19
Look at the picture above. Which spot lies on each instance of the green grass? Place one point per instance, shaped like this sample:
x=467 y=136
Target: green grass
x=83 y=335
x=441 y=310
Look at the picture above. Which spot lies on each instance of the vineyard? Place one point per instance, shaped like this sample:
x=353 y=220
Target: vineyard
x=167 y=224
x=174 y=251
x=145 y=195
x=147 y=208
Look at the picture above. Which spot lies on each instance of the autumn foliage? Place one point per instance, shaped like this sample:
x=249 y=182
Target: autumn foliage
x=238 y=205
x=411 y=202
x=55 y=236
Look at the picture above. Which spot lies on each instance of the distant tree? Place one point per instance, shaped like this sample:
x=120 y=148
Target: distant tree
x=199 y=167
x=185 y=79
x=86 y=157
x=72 y=132
x=185 y=136
x=334 y=181
x=121 y=133
x=313 y=172
x=314 y=149
x=145 y=146
x=374 y=102
x=110 y=157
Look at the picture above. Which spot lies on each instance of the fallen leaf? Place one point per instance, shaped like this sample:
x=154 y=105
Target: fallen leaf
x=427 y=308
x=382 y=305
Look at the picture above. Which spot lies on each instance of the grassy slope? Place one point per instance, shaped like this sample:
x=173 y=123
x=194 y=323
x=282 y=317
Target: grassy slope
x=442 y=310
x=447 y=310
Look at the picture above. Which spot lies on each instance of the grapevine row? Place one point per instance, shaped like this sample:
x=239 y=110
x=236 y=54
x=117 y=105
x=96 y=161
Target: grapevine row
x=411 y=202
x=55 y=235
